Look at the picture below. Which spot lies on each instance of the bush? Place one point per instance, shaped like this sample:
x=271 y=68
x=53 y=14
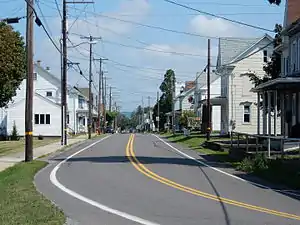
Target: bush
x=40 y=137
x=253 y=165
x=14 y=134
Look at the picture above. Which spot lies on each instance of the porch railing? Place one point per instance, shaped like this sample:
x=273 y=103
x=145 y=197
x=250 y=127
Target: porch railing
x=273 y=145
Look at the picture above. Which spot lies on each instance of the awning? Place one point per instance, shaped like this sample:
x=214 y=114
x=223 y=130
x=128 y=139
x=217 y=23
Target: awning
x=286 y=83
x=215 y=101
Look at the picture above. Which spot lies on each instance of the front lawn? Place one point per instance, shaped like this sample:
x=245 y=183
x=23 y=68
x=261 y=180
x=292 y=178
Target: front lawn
x=10 y=147
x=20 y=203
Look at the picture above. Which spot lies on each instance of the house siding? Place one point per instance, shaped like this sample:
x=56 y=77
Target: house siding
x=240 y=90
x=40 y=106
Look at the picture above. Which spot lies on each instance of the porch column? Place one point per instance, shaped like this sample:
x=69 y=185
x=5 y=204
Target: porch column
x=275 y=113
x=264 y=114
x=269 y=114
x=258 y=113
x=297 y=107
x=282 y=106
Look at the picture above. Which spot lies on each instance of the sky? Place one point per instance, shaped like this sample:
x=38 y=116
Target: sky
x=138 y=56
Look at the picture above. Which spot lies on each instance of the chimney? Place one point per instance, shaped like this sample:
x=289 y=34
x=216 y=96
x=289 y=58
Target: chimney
x=38 y=62
x=48 y=68
x=292 y=11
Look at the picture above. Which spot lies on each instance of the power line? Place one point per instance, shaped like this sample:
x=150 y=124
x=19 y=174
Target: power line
x=160 y=28
x=59 y=12
x=220 y=17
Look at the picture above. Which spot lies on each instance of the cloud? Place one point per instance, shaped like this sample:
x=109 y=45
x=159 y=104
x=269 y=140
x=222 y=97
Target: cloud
x=214 y=27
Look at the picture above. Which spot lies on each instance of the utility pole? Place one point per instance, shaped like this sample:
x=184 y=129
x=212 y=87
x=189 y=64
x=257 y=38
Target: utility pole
x=143 y=112
x=90 y=122
x=29 y=82
x=110 y=98
x=100 y=113
x=158 y=113
x=105 y=102
x=90 y=91
x=64 y=68
x=149 y=116
x=208 y=93
x=173 y=105
x=64 y=74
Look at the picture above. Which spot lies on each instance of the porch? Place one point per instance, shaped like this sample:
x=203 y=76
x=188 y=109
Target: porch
x=280 y=97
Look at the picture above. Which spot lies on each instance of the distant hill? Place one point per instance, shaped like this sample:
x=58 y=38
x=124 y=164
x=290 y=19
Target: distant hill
x=127 y=114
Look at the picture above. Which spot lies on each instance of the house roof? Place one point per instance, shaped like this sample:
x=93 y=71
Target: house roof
x=231 y=48
x=202 y=79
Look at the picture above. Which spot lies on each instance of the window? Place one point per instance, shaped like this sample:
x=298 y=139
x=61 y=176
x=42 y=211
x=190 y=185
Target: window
x=36 y=119
x=80 y=102
x=68 y=119
x=294 y=56
x=298 y=55
x=42 y=119
x=34 y=76
x=265 y=56
x=247 y=114
x=47 y=118
x=49 y=93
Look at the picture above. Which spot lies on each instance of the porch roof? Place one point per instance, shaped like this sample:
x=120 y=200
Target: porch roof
x=284 y=83
x=215 y=101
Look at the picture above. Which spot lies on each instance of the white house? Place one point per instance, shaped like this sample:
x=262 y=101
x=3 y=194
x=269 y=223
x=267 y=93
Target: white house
x=201 y=98
x=287 y=87
x=46 y=107
x=234 y=106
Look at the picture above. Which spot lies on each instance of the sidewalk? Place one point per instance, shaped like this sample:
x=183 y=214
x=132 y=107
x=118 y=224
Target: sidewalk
x=12 y=159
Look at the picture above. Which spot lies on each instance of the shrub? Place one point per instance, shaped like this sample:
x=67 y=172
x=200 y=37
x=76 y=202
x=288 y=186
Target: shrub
x=14 y=134
x=40 y=137
x=256 y=164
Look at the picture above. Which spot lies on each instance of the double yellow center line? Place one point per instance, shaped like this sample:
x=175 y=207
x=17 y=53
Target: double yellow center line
x=144 y=170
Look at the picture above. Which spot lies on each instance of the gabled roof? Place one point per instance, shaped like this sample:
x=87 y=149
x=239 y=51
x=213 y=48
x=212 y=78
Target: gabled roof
x=47 y=75
x=202 y=80
x=47 y=100
x=230 y=48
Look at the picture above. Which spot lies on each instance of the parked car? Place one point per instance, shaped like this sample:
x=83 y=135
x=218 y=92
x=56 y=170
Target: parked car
x=109 y=130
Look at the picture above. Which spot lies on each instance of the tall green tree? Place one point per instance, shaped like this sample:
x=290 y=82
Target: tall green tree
x=165 y=102
x=12 y=63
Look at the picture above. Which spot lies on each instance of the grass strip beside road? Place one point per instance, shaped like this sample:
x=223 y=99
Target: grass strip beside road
x=194 y=141
x=10 y=147
x=20 y=203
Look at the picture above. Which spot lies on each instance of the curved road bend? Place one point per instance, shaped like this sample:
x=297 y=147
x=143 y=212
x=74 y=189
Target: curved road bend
x=128 y=179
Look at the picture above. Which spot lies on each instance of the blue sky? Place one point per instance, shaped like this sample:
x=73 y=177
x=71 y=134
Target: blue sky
x=137 y=71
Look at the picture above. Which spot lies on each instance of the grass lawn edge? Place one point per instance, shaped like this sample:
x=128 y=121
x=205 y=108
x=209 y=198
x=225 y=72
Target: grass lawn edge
x=21 y=202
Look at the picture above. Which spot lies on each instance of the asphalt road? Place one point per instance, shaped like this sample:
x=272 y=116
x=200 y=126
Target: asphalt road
x=140 y=180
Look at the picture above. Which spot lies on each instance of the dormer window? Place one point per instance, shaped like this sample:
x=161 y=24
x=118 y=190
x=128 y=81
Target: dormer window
x=265 y=56
x=49 y=93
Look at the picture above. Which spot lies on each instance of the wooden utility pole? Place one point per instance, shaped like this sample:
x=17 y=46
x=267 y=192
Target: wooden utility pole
x=29 y=82
x=65 y=68
x=173 y=105
x=158 y=113
x=90 y=92
x=110 y=98
x=100 y=98
x=104 y=101
x=91 y=101
x=64 y=72
x=208 y=94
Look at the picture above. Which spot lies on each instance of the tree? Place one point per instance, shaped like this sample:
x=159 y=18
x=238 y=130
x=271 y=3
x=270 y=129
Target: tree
x=166 y=100
x=14 y=133
x=12 y=63
x=277 y=2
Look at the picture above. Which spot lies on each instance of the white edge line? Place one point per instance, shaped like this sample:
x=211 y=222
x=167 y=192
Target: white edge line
x=54 y=181
x=223 y=172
